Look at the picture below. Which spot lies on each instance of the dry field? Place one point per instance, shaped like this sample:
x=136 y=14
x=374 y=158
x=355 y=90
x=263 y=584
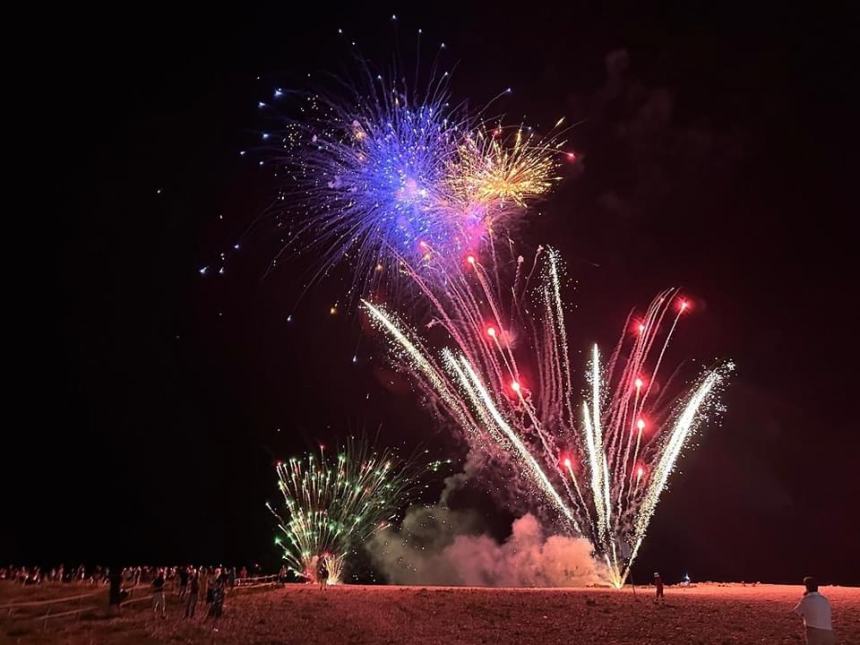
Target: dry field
x=707 y=613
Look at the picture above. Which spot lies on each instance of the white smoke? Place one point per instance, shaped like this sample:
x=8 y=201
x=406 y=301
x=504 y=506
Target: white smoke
x=438 y=546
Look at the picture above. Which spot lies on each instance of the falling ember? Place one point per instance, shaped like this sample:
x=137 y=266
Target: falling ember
x=607 y=497
x=491 y=332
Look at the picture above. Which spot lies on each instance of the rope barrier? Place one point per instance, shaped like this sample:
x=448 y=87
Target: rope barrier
x=36 y=603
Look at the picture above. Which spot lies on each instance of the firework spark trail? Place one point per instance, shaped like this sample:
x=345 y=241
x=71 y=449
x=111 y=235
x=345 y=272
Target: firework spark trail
x=334 y=505
x=623 y=462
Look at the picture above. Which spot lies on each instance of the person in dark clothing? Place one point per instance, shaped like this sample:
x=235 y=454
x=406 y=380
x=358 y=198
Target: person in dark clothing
x=183 y=581
x=216 y=607
x=158 y=594
x=322 y=572
x=658 y=585
x=115 y=593
x=191 y=599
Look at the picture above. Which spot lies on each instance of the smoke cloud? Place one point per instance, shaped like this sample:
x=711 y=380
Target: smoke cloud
x=439 y=546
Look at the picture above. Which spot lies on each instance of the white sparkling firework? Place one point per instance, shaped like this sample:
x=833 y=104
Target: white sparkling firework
x=508 y=384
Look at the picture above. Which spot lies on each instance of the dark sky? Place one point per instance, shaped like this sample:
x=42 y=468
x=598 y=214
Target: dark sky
x=145 y=401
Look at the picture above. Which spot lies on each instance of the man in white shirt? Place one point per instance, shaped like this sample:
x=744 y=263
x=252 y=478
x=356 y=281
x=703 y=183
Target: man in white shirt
x=815 y=611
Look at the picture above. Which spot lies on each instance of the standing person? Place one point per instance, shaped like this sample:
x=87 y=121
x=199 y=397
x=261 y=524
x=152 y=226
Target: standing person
x=183 y=581
x=815 y=611
x=658 y=585
x=216 y=607
x=115 y=592
x=322 y=572
x=193 y=592
x=203 y=572
x=158 y=594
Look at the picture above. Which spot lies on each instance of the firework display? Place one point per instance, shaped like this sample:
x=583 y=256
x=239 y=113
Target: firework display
x=380 y=174
x=333 y=503
x=398 y=183
x=600 y=463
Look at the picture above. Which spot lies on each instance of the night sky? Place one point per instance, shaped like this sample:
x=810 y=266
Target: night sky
x=147 y=403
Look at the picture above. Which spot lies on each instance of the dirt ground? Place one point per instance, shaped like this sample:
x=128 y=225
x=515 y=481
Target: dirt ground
x=709 y=613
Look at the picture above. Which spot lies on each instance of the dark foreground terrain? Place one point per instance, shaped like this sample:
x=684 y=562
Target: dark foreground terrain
x=708 y=613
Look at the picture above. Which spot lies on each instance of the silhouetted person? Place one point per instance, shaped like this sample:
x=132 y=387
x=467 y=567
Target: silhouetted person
x=815 y=611
x=158 y=594
x=193 y=592
x=183 y=580
x=658 y=586
x=115 y=593
x=322 y=572
x=216 y=607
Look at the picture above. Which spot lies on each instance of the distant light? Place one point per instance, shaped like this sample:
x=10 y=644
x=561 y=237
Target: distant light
x=571 y=156
x=203 y=270
x=333 y=310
